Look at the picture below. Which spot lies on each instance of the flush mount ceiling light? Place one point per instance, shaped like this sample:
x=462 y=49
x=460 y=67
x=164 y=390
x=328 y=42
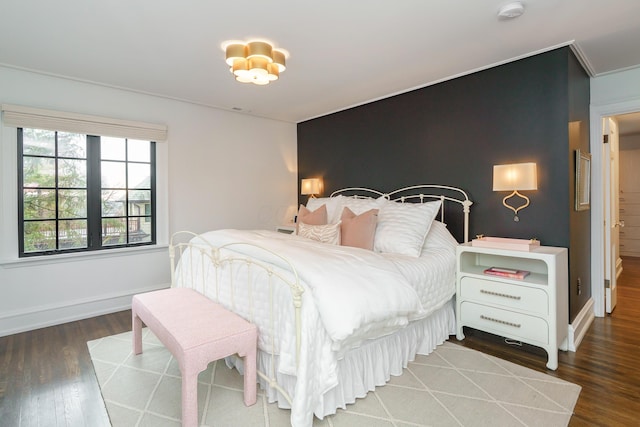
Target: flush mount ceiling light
x=254 y=62
x=511 y=10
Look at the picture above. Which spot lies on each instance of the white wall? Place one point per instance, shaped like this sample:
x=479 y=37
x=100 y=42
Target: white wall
x=217 y=169
x=630 y=142
x=616 y=87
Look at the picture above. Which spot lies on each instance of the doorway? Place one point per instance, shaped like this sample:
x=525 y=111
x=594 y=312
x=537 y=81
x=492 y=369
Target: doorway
x=627 y=117
x=629 y=184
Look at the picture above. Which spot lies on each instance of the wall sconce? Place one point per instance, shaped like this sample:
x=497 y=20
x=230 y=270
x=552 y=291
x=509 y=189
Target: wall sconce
x=514 y=177
x=311 y=187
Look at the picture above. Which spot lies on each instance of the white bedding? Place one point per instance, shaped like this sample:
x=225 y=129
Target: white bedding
x=362 y=296
x=352 y=288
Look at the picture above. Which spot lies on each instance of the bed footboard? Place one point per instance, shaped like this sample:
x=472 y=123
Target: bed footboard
x=245 y=278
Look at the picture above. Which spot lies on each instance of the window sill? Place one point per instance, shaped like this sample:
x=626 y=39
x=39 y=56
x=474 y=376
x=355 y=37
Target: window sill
x=80 y=256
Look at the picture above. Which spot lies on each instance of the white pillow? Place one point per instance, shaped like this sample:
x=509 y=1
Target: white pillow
x=359 y=206
x=403 y=227
x=329 y=233
x=334 y=206
x=439 y=237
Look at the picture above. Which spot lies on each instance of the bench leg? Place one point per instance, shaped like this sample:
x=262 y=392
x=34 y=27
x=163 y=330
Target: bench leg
x=189 y=398
x=136 y=326
x=250 y=380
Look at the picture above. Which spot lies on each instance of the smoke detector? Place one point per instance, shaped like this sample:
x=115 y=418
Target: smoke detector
x=511 y=10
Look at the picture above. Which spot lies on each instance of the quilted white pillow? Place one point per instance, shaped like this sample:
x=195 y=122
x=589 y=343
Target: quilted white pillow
x=403 y=227
x=334 y=206
x=329 y=233
x=359 y=206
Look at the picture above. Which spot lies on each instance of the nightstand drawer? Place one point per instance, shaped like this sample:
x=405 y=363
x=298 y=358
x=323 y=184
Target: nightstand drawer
x=505 y=323
x=521 y=298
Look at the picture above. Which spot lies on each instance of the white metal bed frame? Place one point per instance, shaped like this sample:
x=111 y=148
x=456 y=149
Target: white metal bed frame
x=224 y=258
x=418 y=193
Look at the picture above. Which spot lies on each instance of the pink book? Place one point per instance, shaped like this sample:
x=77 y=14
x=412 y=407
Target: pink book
x=506 y=272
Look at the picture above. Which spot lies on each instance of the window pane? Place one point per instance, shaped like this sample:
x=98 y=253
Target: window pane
x=114 y=231
x=139 y=230
x=114 y=174
x=139 y=175
x=39 y=236
x=72 y=204
x=72 y=173
x=113 y=202
x=72 y=145
x=112 y=148
x=39 y=172
x=139 y=151
x=139 y=202
x=38 y=142
x=60 y=191
x=39 y=204
x=72 y=234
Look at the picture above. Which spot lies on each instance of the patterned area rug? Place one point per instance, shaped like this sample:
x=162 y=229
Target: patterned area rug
x=453 y=386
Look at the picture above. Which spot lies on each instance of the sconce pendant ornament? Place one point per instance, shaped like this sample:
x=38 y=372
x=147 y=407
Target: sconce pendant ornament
x=515 y=210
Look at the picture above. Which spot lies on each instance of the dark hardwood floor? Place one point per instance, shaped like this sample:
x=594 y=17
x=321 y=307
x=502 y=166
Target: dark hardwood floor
x=47 y=379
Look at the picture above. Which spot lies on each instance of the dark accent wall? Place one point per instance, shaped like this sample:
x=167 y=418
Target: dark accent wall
x=580 y=222
x=454 y=132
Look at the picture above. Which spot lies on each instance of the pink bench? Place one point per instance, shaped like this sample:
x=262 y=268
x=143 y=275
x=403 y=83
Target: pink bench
x=196 y=331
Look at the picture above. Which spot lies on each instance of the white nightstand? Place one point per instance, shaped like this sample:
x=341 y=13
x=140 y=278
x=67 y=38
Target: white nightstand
x=533 y=310
x=286 y=229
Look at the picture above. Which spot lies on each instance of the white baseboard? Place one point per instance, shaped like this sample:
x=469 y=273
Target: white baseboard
x=580 y=325
x=55 y=314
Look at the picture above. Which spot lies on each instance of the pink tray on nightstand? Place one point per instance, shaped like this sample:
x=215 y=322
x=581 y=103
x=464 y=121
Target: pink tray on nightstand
x=505 y=243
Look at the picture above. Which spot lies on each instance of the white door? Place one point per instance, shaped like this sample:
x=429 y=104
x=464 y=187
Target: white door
x=612 y=261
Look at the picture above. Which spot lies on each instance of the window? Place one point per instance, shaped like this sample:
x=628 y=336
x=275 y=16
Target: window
x=81 y=192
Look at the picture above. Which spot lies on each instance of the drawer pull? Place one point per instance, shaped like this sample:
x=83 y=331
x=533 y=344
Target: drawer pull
x=503 y=322
x=498 y=294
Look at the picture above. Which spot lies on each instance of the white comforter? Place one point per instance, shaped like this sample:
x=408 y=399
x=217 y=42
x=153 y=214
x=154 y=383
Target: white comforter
x=351 y=295
x=353 y=289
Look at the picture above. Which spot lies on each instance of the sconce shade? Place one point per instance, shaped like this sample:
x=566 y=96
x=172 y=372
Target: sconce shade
x=310 y=186
x=518 y=176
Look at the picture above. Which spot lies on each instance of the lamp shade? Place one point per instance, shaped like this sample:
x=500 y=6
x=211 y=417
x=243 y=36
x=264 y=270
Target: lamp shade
x=518 y=176
x=310 y=186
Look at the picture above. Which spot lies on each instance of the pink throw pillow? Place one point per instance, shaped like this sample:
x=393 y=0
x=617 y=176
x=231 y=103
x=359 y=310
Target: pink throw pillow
x=317 y=217
x=358 y=230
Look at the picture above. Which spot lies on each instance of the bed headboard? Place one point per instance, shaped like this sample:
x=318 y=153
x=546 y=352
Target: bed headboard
x=420 y=194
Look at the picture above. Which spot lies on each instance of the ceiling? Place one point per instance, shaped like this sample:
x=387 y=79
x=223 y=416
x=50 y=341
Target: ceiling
x=342 y=53
x=628 y=124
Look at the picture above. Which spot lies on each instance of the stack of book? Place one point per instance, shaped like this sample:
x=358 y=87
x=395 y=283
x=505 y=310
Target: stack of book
x=507 y=272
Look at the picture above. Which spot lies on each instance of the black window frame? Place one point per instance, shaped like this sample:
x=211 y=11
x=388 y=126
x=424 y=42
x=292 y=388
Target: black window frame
x=94 y=207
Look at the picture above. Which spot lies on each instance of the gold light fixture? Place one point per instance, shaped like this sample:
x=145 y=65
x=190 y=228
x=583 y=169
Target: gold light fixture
x=514 y=177
x=310 y=187
x=254 y=62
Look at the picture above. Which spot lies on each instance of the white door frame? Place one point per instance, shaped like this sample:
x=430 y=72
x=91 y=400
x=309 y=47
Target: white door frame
x=598 y=112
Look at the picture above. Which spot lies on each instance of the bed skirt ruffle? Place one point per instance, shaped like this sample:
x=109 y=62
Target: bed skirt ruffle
x=371 y=365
